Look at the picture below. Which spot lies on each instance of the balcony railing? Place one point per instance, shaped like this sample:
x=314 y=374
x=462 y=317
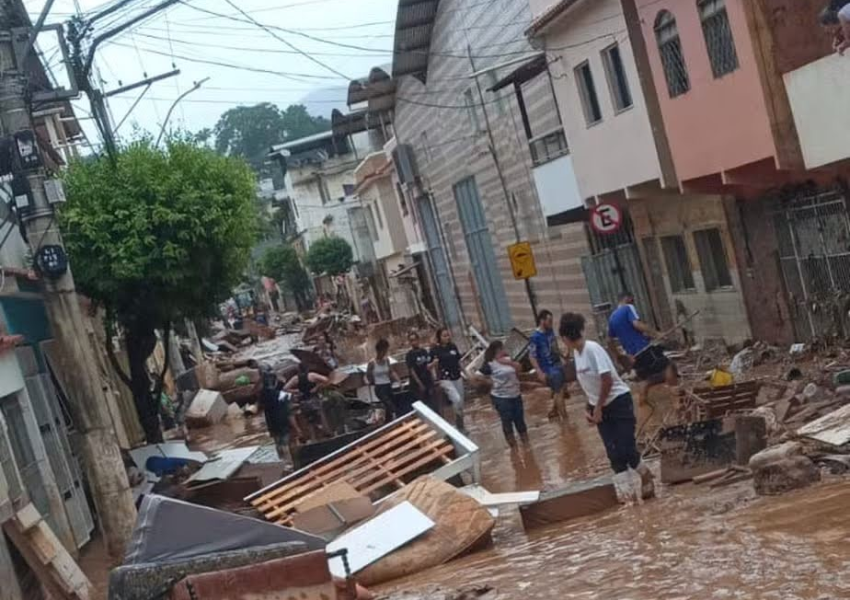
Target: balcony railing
x=549 y=146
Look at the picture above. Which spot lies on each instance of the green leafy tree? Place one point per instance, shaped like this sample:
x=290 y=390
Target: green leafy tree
x=281 y=264
x=331 y=255
x=157 y=236
x=251 y=131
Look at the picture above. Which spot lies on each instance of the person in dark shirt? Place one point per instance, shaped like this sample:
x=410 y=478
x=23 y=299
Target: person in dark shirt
x=445 y=358
x=418 y=361
x=280 y=421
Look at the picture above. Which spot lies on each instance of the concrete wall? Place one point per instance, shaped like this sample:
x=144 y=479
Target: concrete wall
x=719 y=124
x=820 y=98
x=620 y=150
x=448 y=149
x=311 y=212
x=723 y=313
x=797 y=36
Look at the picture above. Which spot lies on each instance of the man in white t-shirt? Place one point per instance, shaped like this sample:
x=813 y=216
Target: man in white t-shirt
x=609 y=406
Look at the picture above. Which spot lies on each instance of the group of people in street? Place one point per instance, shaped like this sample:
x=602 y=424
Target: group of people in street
x=430 y=369
x=610 y=406
x=437 y=370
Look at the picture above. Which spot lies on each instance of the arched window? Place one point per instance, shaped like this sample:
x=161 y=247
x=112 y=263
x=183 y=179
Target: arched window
x=672 y=58
x=718 y=36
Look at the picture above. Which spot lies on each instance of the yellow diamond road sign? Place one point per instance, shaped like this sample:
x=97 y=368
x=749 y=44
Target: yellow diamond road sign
x=522 y=260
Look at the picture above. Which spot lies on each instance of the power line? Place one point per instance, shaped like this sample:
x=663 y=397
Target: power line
x=277 y=37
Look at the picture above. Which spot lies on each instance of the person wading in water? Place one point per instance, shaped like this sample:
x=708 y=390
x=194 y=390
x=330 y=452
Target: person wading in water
x=446 y=364
x=503 y=374
x=610 y=408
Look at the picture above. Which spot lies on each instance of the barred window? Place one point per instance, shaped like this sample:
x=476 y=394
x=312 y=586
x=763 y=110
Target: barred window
x=712 y=259
x=718 y=37
x=678 y=264
x=672 y=58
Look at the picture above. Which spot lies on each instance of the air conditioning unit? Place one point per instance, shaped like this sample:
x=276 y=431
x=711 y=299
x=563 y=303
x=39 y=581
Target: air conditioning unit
x=405 y=163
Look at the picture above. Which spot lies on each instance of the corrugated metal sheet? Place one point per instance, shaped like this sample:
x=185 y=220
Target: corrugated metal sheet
x=414 y=27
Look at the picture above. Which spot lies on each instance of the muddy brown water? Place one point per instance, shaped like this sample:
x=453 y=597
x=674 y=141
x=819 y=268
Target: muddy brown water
x=690 y=543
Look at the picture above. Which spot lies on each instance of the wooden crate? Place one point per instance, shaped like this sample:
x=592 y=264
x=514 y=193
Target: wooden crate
x=377 y=464
x=708 y=403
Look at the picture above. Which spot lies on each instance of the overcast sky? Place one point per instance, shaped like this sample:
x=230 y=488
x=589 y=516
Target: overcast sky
x=184 y=35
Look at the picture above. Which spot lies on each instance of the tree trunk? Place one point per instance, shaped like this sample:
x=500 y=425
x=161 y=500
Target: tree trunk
x=141 y=341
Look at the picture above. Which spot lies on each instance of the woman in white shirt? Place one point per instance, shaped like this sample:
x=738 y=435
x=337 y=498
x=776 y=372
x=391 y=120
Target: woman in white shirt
x=609 y=407
x=503 y=374
x=380 y=374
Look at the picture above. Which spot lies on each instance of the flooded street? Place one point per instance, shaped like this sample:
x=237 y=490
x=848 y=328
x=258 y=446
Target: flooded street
x=692 y=542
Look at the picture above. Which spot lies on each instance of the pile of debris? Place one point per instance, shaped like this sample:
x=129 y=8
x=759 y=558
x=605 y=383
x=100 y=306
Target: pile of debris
x=373 y=511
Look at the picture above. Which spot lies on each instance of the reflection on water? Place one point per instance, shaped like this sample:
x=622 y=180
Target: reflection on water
x=691 y=543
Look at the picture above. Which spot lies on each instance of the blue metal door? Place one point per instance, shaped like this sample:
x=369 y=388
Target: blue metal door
x=494 y=301
x=445 y=288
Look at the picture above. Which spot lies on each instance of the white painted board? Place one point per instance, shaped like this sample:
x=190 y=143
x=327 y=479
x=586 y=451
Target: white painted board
x=223 y=465
x=378 y=537
x=832 y=429
x=490 y=500
x=168 y=449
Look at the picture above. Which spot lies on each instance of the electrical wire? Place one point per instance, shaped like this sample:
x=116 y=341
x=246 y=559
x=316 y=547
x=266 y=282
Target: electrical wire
x=277 y=37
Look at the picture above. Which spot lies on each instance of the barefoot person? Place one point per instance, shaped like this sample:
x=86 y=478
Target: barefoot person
x=446 y=364
x=609 y=407
x=546 y=360
x=505 y=393
x=651 y=366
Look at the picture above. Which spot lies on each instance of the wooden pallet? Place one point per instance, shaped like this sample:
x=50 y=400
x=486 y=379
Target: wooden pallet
x=45 y=555
x=709 y=403
x=385 y=460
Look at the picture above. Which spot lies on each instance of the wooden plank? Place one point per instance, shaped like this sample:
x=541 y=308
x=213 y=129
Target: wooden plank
x=337 y=491
x=332 y=468
x=48 y=559
x=575 y=500
x=350 y=476
x=407 y=470
x=413 y=449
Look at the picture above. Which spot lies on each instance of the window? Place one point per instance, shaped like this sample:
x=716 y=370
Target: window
x=472 y=110
x=587 y=92
x=672 y=58
x=718 y=37
x=712 y=259
x=324 y=193
x=348 y=189
x=373 y=229
x=678 y=265
x=621 y=95
x=402 y=199
x=378 y=214
x=548 y=147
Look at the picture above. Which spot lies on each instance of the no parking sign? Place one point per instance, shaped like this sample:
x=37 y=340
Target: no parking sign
x=606 y=219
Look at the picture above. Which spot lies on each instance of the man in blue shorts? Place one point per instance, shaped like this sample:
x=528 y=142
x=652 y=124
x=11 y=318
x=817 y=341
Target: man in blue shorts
x=546 y=359
x=651 y=365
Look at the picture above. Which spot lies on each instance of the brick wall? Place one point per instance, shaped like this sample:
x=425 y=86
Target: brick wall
x=448 y=149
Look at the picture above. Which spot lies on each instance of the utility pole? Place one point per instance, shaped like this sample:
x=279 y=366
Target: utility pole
x=529 y=289
x=101 y=454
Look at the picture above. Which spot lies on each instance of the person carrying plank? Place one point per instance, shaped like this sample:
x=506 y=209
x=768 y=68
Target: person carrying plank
x=651 y=365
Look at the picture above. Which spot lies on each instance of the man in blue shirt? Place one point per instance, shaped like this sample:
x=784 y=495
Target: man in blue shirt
x=546 y=359
x=651 y=365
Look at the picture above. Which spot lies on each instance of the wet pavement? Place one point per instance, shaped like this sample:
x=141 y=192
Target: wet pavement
x=691 y=543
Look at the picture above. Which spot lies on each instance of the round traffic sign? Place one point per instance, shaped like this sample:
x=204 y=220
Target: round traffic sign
x=606 y=219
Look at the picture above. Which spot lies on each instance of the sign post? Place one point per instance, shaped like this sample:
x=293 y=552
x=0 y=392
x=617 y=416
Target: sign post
x=522 y=261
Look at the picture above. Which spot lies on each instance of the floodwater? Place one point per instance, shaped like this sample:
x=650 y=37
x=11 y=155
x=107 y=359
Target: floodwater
x=690 y=543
